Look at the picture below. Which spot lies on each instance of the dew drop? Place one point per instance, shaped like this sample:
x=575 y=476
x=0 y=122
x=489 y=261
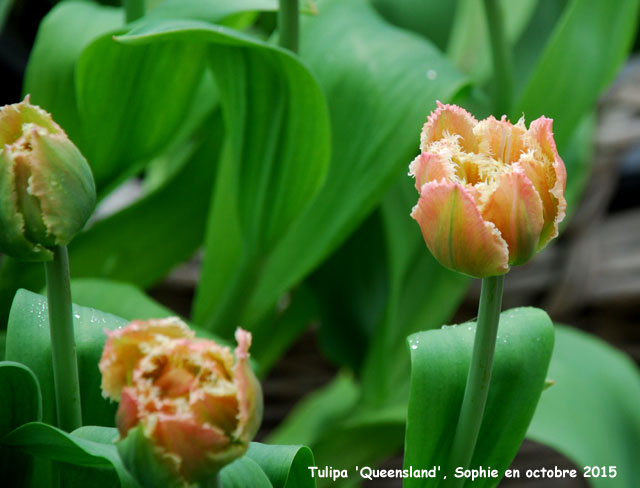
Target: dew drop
x=432 y=74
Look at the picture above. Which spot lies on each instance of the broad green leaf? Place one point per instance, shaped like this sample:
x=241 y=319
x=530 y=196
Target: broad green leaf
x=133 y=245
x=325 y=407
x=431 y=19
x=268 y=172
x=440 y=361
x=126 y=301
x=47 y=442
x=285 y=466
x=28 y=342
x=121 y=299
x=132 y=100
x=531 y=45
x=379 y=95
x=352 y=289
x=20 y=403
x=62 y=36
x=82 y=476
x=244 y=472
x=566 y=83
x=271 y=173
x=299 y=310
x=24 y=404
x=341 y=431
x=578 y=158
x=590 y=414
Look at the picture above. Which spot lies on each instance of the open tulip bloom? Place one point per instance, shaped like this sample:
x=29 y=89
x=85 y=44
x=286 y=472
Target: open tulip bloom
x=491 y=192
x=491 y=195
x=187 y=408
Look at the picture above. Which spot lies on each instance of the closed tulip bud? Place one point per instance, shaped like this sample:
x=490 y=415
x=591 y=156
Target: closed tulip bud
x=47 y=191
x=491 y=192
x=187 y=406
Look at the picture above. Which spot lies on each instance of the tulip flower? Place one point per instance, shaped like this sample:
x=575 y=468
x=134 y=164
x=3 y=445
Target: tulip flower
x=187 y=407
x=491 y=192
x=47 y=191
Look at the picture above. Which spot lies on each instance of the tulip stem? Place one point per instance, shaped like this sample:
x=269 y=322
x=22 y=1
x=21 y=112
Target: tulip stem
x=63 y=347
x=502 y=65
x=479 y=377
x=288 y=24
x=133 y=10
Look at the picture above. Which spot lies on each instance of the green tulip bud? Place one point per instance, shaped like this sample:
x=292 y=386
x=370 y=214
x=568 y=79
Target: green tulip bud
x=47 y=191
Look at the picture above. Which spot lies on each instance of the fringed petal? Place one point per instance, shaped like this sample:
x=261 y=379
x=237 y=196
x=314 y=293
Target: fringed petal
x=449 y=120
x=456 y=233
x=516 y=210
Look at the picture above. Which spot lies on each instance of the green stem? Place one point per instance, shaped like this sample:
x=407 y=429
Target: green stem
x=63 y=347
x=479 y=377
x=133 y=9
x=502 y=65
x=288 y=24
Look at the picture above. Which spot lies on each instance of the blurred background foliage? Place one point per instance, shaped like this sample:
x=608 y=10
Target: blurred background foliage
x=286 y=176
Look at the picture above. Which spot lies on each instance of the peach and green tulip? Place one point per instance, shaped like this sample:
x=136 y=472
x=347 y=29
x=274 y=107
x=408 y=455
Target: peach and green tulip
x=47 y=191
x=187 y=407
x=491 y=192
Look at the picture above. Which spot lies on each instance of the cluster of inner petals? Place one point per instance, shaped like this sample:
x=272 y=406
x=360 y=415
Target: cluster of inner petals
x=160 y=373
x=195 y=402
x=177 y=378
x=500 y=184
x=476 y=154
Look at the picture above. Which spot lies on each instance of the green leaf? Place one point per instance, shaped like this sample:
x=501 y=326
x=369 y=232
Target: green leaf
x=121 y=299
x=440 y=361
x=24 y=404
x=378 y=96
x=591 y=414
x=565 y=83
x=146 y=92
x=433 y=20
x=285 y=466
x=298 y=311
x=126 y=301
x=62 y=36
x=352 y=289
x=112 y=247
x=528 y=50
x=578 y=159
x=311 y=417
x=244 y=472
x=269 y=172
x=28 y=342
x=341 y=431
x=21 y=403
x=47 y=442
